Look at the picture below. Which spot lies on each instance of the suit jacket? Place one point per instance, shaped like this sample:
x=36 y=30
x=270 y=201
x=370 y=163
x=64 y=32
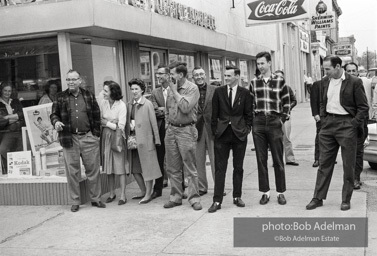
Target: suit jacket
x=292 y=98
x=315 y=97
x=240 y=115
x=204 y=115
x=157 y=99
x=61 y=112
x=352 y=98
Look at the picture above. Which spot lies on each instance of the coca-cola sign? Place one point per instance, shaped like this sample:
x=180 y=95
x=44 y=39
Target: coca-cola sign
x=275 y=9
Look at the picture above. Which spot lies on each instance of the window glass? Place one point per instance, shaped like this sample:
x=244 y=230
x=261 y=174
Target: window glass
x=231 y=62
x=215 y=70
x=150 y=59
x=244 y=73
x=189 y=59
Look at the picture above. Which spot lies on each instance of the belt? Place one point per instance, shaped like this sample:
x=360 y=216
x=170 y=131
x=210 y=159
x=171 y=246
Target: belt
x=267 y=114
x=80 y=133
x=182 y=125
x=337 y=115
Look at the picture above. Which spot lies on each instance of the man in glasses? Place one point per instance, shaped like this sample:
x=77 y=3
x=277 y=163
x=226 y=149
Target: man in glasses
x=203 y=125
x=76 y=116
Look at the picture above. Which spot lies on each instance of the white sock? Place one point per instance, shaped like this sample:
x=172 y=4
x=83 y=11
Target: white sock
x=267 y=193
x=279 y=193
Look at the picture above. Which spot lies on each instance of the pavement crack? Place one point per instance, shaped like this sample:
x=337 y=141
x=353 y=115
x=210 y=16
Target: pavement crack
x=29 y=229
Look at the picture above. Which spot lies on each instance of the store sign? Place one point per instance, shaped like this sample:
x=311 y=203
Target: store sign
x=176 y=10
x=19 y=164
x=304 y=41
x=323 y=17
x=342 y=49
x=268 y=11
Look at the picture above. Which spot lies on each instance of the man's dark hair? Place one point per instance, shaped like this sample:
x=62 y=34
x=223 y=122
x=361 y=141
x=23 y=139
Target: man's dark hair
x=335 y=60
x=115 y=91
x=279 y=71
x=138 y=82
x=165 y=68
x=267 y=55
x=73 y=71
x=237 y=71
x=180 y=67
x=351 y=63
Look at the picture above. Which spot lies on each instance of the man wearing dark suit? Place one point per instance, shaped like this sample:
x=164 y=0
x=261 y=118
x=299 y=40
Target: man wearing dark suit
x=158 y=98
x=232 y=114
x=314 y=104
x=203 y=125
x=343 y=108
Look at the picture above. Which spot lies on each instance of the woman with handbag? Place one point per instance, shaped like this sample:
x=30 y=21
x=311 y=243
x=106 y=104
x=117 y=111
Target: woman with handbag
x=143 y=136
x=114 y=153
x=12 y=119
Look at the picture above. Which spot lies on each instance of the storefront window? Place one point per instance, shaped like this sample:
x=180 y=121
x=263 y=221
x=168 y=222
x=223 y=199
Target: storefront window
x=150 y=59
x=96 y=59
x=187 y=58
x=231 y=62
x=244 y=73
x=215 y=69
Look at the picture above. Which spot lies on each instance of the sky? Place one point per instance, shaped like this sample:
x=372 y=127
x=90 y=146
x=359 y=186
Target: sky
x=359 y=18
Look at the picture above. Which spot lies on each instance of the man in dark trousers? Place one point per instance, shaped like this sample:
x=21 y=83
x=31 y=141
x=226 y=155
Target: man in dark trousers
x=314 y=104
x=344 y=107
x=272 y=105
x=77 y=118
x=232 y=114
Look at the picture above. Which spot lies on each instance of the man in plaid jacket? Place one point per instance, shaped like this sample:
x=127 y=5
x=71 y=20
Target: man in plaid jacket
x=76 y=116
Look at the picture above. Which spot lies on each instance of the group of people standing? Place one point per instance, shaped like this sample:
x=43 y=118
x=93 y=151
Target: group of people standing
x=182 y=121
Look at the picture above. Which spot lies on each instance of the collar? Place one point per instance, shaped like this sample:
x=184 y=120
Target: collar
x=137 y=102
x=184 y=85
x=69 y=93
x=10 y=101
x=203 y=86
x=234 y=88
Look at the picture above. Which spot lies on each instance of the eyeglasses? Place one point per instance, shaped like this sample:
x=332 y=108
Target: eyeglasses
x=72 y=79
x=199 y=74
x=351 y=71
x=160 y=74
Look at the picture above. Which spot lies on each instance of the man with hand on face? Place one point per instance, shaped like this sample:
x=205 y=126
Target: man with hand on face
x=203 y=125
x=77 y=118
x=181 y=136
x=343 y=109
x=232 y=114
x=272 y=106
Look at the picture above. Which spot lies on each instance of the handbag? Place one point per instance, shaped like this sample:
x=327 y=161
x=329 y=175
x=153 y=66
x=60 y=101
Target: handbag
x=117 y=141
x=131 y=142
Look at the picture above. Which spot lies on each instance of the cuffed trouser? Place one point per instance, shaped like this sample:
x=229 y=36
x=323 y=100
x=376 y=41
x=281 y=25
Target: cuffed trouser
x=316 y=145
x=360 y=155
x=86 y=146
x=226 y=142
x=288 y=148
x=180 y=146
x=204 y=144
x=267 y=131
x=336 y=131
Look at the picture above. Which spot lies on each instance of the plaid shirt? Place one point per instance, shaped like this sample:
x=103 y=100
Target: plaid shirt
x=61 y=112
x=272 y=96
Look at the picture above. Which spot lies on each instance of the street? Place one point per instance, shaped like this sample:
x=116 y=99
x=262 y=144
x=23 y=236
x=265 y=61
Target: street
x=149 y=229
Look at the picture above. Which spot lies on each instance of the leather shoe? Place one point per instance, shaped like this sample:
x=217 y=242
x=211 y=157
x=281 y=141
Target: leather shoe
x=110 y=199
x=356 y=185
x=156 y=194
x=197 y=206
x=145 y=201
x=238 y=201
x=75 y=208
x=184 y=195
x=292 y=163
x=171 y=204
x=122 y=202
x=345 y=206
x=314 y=204
x=281 y=199
x=316 y=163
x=99 y=204
x=214 y=207
x=264 y=199
x=202 y=193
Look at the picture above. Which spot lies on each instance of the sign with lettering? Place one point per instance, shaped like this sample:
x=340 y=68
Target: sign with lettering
x=175 y=10
x=322 y=17
x=272 y=11
x=19 y=164
x=345 y=49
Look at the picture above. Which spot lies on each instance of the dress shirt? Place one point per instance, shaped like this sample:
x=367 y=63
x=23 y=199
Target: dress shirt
x=183 y=110
x=333 y=97
x=165 y=93
x=202 y=99
x=79 y=116
x=8 y=106
x=117 y=111
x=234 y=91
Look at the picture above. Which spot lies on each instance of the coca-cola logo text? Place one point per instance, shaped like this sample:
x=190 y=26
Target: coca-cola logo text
x=275 y=9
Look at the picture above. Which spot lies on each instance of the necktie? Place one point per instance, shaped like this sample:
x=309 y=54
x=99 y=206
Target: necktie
x=230 y=96
x=165 y=93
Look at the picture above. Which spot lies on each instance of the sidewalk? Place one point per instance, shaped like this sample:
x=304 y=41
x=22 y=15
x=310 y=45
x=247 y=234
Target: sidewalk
x=134 y=229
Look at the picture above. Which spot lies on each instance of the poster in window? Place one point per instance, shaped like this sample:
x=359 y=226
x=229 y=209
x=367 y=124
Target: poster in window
x=19 y=164
x=40 y=130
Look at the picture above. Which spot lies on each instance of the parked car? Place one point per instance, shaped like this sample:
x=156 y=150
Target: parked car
x=370 y=151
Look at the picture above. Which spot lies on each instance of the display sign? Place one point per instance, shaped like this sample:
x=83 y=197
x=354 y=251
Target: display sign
x=322 y=17
x=342 y=52
x=345 y=49
x=304 y=41
x=19 y=164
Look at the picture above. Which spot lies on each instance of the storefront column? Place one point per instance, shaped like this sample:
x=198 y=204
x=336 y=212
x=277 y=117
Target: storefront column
x=65 y=57
x=131 y=58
